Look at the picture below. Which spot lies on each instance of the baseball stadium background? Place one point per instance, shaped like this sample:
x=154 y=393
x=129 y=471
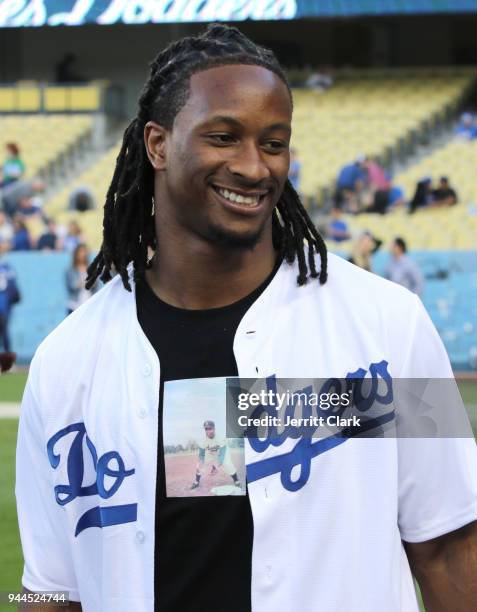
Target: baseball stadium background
x=400 y=73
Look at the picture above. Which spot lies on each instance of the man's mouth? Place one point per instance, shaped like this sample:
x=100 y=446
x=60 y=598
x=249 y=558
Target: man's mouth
x=250 y=200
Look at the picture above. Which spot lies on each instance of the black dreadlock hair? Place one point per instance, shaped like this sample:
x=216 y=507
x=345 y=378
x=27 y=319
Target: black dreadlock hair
x=128 y=224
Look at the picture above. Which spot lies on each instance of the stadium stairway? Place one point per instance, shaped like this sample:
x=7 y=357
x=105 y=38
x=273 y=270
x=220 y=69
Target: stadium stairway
x=96 y=176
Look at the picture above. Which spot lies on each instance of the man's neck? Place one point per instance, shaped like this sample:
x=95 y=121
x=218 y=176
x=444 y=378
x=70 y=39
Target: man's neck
x=198 y=275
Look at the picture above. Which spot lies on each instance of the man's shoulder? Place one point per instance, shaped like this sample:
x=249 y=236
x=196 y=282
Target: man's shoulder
x=349 y=293
x=347 y=279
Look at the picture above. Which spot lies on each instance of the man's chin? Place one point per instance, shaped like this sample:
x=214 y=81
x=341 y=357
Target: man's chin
x=227 y=238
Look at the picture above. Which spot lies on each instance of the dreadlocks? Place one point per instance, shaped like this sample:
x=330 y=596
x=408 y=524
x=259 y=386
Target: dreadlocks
x=128 y=224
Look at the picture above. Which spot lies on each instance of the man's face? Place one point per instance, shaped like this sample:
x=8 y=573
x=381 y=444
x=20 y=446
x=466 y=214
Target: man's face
x=209 y=431
x=396 y=250
x=227 y=156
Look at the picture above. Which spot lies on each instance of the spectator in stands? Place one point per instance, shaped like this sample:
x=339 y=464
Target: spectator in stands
x=363 y=250
x=379 y=185
x=444 y=195
x=337 y=229
x=422 y=196
x=81 y=199
x=76 y=278
x=396 y=197
x=13 y=167
x=21 y=236
x=466 y=128
x=73 y=237
x=9 y=295
x=402 y=269
x=28 y=208
x=295 y=170
x=350 y=183
x=377 y=179
x=66 y=70
x=6 y=232
x=13 y=193
x=49 y=241
x=319 y=81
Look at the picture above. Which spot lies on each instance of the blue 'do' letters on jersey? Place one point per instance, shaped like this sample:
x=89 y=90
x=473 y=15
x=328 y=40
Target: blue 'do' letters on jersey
x=110 y=464
x=307 y=448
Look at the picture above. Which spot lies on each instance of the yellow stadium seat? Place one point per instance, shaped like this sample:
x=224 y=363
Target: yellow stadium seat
x=28 y=99
x=7 y=99
x=55 y=98
x=87 y=98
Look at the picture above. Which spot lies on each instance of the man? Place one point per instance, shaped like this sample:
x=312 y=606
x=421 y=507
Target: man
x=23 y=196
x=402 y=269
x=13 y=167
x=49 y=241
x=337 y=229
x=9 y=296
x=351 y=181
x=379 y=185
x=466 y=128
x=215 y=453
x=201 y=180
x=423 y=196
x=444 y=195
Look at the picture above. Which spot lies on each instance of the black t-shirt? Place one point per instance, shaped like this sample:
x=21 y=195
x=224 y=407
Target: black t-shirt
x=203 y=548
x=443 y=193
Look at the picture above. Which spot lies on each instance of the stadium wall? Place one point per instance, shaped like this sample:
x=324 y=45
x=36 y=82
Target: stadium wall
x=451 y=282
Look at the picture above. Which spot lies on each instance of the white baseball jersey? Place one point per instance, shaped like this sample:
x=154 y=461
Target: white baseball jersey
x=328 y=518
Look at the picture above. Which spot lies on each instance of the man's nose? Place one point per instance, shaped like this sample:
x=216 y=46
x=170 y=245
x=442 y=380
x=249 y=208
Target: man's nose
x=249 y=164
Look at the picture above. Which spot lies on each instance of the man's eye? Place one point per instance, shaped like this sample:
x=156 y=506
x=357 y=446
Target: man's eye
x=222 y=138
x=276 y=145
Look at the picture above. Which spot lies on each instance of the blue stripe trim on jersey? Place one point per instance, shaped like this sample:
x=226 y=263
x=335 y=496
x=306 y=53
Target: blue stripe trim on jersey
x=105 y=517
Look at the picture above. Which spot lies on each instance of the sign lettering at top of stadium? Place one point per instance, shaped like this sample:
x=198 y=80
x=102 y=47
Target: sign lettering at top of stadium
x=17 y=13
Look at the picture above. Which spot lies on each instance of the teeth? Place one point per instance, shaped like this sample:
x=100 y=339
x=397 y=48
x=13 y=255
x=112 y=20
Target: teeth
x=238 y=198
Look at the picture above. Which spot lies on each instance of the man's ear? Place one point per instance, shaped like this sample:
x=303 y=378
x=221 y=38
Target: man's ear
x=155 y=142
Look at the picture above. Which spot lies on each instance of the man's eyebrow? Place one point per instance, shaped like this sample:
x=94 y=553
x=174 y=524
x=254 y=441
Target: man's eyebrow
x=279 y=126
x=223 y=119
x=227 y=119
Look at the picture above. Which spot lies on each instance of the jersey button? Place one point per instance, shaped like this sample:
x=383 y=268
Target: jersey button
x=146 y=370
x=142 y=413
x=140 y=536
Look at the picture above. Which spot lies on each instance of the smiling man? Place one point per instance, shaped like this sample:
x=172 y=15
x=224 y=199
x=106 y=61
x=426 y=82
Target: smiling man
x=215 y=257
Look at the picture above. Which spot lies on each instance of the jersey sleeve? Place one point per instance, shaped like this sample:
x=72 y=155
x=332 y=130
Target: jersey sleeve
x=48 y=564
x=437 y=476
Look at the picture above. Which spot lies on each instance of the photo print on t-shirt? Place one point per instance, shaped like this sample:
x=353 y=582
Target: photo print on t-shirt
x=199 y=459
